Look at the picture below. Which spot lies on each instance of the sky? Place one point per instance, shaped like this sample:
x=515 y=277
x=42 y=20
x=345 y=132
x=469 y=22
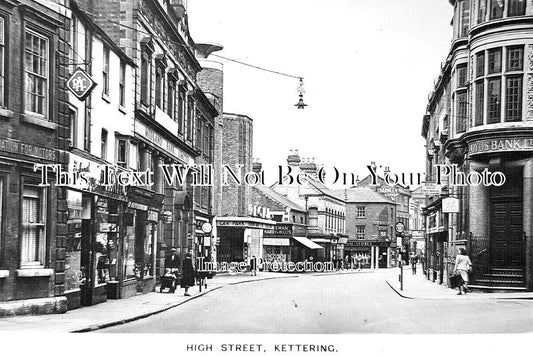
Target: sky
x=368 y=67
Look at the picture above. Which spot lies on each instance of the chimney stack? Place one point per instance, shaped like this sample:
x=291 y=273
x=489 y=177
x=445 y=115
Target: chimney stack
x=293 y=160
x=257 y=166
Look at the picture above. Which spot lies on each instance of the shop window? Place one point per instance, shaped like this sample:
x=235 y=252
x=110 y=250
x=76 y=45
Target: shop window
x=122 y=85
x=33 y=246
x=36 y=64
x=496 y=9
x=105 y=72
x=361 y=212
x=516 y=8
x=360 y=232
x=2 y=62
x=74 y=272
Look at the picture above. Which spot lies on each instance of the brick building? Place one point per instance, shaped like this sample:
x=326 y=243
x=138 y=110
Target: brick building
x=326 y=211
x=370 y=219
x=239 y=228
x=34 y=121
x=480 y=117
x=288 y=240
x=174 y=124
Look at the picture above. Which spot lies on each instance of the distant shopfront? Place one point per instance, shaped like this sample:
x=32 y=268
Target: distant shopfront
x=287 y=243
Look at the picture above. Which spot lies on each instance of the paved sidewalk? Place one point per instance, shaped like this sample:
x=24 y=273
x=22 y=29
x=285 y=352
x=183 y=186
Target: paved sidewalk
x=119 y=311
x=419 y=287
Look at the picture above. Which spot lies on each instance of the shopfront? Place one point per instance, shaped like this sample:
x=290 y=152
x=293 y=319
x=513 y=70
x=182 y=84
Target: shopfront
x=93 y=256
x=239 y=238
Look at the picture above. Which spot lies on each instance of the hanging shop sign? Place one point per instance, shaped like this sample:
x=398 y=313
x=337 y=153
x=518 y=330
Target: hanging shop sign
x=166 y=216
x=80 y=84
x=450 y=205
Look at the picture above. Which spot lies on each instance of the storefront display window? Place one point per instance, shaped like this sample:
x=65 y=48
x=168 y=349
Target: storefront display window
x=129 y=252
x=74 y=272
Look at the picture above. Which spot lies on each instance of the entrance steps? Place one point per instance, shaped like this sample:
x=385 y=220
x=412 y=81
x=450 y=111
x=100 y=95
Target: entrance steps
x=501 y=279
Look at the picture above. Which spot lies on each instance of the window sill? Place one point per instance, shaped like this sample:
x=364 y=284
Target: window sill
x=5 y=113
x=4 y=273
x=38 y=121
x=106 y=98
x=122 y=109
x=35 y=272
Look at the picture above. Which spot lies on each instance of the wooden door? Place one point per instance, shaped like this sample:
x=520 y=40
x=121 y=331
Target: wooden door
x=506 y=233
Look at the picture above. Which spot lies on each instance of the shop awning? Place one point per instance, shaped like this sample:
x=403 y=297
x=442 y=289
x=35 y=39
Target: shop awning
x=307 y=243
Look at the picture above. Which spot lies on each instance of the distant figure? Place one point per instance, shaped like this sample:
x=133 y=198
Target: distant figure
x=414 y=262
x=463 y=265
x=188 y=274
x=253 y=266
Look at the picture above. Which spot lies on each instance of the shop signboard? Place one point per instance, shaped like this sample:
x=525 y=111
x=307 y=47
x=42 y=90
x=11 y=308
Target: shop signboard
x=276 y=242
x=450 y=205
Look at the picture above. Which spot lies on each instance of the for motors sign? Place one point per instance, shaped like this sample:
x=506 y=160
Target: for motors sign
x=80 y=84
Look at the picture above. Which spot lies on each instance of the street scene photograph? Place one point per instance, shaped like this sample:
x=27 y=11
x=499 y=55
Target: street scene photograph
x=250 y=176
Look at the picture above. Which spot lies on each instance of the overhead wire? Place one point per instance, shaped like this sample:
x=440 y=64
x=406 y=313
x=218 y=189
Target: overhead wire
x=188 y=47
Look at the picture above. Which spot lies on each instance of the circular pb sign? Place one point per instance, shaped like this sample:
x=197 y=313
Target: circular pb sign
x=207 y=227
x=400 y=227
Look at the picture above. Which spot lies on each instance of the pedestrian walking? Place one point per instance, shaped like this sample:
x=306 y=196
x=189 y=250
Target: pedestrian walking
x=188 y=273
x=414 y=262
x=253 y=266
x=463 y=265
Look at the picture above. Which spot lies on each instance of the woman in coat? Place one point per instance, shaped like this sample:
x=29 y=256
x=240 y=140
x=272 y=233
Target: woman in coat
x=188 y=273
x=462 y=267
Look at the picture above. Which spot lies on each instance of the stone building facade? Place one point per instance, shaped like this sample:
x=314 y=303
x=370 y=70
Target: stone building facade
x=480 y=118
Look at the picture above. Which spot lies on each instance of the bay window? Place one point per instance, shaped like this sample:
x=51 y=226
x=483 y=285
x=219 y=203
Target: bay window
x=499 y=88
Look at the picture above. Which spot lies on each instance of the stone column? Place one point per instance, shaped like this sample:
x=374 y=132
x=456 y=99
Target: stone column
x=371 y=257
x=528 y=222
